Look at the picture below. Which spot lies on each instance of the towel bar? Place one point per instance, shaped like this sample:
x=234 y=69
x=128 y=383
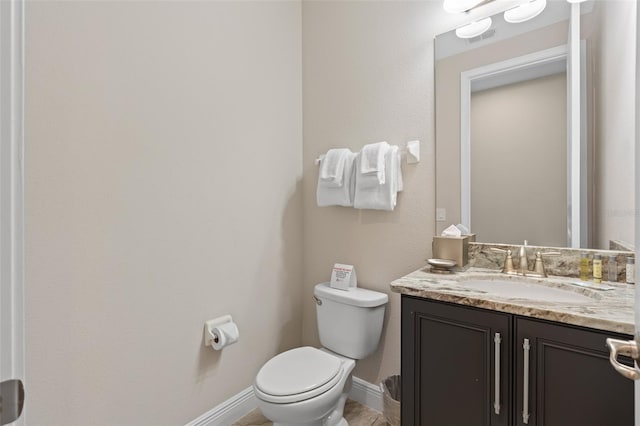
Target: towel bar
x=412 y=152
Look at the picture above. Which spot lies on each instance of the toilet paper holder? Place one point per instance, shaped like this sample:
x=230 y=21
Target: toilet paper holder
x=209 y=337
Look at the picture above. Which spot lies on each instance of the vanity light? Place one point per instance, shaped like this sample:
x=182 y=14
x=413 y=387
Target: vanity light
x=457 y=6
x=474 y=29
x=525 y=11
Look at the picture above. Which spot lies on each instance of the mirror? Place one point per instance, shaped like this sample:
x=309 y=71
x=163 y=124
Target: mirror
x=521 y=175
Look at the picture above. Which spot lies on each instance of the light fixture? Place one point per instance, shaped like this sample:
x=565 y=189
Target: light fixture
x=576 y=1
x=525 y=11
x=456 y=6
x=474 y=29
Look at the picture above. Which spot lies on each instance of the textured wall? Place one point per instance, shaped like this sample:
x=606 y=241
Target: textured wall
x=368 y=76
x=612 y=42
x=163 y=188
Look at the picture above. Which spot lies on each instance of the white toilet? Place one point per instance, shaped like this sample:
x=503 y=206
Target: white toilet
x=308 y=386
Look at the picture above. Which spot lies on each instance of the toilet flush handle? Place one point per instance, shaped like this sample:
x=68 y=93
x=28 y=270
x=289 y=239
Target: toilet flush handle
x=318 y=301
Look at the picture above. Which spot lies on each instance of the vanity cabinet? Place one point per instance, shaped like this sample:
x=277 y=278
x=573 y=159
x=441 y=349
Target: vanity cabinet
x=469 y=366
x=569 y=379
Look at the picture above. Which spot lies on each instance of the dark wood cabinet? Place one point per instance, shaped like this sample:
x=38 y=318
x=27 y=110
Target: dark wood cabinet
x=448 y=365
x=570 y=379
x=465 y=366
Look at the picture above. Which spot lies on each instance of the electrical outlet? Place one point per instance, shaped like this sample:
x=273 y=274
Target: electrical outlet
x=441 y=215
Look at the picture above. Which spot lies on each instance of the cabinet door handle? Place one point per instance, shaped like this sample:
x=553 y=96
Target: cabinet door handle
x=496 y=356
x=624 y=347
x=525 y=381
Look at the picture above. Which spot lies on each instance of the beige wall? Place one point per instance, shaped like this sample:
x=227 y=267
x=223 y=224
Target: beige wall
x=519 y=159
x=368 y=76
x=613 y=38
x=163 y=188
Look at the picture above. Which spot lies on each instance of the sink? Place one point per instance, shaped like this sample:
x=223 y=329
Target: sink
x=517 y=289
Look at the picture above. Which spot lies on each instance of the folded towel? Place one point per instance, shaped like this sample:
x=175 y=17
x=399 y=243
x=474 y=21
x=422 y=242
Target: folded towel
x=399 y=170
x=367 y=180
x=332 y=165
x=330 y=194
x=379 y=197
x=372 y=159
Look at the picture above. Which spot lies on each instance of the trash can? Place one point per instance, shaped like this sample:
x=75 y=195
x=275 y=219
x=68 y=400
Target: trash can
x=391 y=399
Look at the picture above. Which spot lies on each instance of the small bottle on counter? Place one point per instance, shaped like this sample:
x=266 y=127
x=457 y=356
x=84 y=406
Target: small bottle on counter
x=612 y=269
x=631 y=270
x=597 y=268
x=584 y=267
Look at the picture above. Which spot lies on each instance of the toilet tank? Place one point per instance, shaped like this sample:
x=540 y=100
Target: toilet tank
x=349 y=322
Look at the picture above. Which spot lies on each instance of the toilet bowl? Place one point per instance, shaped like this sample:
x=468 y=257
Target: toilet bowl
x=308 y=386
x=304 y=387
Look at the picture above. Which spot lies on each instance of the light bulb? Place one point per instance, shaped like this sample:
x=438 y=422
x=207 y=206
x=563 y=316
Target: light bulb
x=525 y=11
x=474 y=29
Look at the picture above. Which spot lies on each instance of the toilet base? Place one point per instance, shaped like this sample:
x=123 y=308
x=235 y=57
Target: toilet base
x=335 y=418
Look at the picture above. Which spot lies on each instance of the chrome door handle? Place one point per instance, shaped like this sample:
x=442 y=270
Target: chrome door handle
x=496 y=399
x=525 y=380
x=624 y=347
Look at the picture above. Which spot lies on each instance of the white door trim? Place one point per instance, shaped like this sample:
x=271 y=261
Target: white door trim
x=559 y=53
x=12 y=363
x=637 y=211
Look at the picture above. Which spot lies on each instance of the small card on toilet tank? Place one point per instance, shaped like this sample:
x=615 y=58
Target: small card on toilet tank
x=343 y=277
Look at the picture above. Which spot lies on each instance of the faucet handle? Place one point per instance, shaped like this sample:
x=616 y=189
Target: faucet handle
x=538 y=267
x=507 y=268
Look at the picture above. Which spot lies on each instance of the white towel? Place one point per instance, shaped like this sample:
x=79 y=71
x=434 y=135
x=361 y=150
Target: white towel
x=330 y=194
x=399 y=170
x=381 y=196
x=332 y=166
x=372 y=159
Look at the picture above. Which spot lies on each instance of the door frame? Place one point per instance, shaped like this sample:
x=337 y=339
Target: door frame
x=530 y=65
x=12 y=342
x=637 y=209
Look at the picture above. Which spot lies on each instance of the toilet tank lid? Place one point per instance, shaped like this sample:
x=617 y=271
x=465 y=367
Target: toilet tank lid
x=355 y=296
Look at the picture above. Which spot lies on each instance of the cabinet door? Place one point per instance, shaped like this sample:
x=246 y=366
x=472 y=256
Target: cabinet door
x=570 y=380
x=448 y=365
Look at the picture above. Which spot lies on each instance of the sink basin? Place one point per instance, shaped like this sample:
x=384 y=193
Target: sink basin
x=516 y=289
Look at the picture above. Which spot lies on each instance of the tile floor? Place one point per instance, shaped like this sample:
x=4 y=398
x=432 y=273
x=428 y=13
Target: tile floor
x=356 y=414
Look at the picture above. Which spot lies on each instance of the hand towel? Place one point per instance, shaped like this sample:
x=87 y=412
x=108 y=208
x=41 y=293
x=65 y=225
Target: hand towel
x=330 y=194
x=399 y=170
x=381 y=196
x=372 y=160
x=332 y=166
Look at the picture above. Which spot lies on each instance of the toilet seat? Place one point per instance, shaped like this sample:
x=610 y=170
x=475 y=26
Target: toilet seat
x=297 y=375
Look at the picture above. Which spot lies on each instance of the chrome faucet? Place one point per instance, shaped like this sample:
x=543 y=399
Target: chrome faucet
x=524 y=262
x=508 y=267
x=523 y=266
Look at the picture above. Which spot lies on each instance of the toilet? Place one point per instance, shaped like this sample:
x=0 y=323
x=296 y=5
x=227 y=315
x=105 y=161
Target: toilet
x=308 y=386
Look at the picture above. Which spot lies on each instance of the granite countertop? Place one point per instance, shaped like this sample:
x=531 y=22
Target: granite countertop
x=611 y=310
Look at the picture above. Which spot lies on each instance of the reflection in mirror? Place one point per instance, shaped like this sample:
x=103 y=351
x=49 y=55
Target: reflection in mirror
x=516 y=166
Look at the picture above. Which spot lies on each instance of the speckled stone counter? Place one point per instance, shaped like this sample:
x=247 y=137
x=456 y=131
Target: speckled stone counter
x=611 y=310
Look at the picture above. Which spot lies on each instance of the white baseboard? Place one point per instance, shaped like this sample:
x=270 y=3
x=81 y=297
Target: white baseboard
x=243 y=403
x=366 y=394
x=229 y=411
